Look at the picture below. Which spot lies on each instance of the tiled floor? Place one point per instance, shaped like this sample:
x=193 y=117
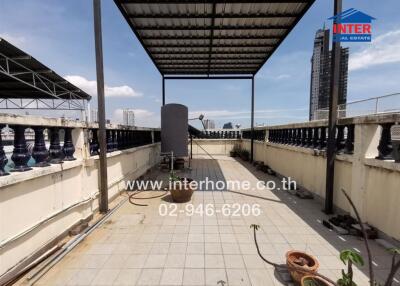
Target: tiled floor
x=137 y=246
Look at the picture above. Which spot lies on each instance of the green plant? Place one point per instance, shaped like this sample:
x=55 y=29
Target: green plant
x=349 y=257
x=173 y=177
x=244 y=154
x=256 y=227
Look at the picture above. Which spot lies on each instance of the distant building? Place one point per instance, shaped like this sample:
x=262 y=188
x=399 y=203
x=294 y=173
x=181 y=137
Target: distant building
x=94 y=115
x=321 y=75
x=209 y=124
x=228 y=125
x=128 y=117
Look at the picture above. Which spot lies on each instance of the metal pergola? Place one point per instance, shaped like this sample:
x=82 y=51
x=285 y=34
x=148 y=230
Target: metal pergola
x=26 y=83
x=207 y=39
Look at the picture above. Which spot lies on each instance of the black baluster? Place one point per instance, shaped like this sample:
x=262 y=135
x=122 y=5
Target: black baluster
x=309 y=138
x=303 y=137
x=68 y=148
x=114 y=139
x=3 y=157
x=315 y=137
x=94 y=143
x=298 y=136
x=340 y=139
x=40 y=152
x=120 y=139
x=349 y=145
x=322 y=138
x=110 y=143
x=284 y=136
x=290 y=136
x=20 y=155
x=56 y=153
x=385 y=143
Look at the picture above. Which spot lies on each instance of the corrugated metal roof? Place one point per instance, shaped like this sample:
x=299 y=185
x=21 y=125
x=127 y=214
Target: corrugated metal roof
x=210 y=36
x=22 y=76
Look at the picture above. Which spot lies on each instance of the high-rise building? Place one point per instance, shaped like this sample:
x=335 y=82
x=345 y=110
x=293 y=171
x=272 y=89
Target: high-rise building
x=227 y=125
x=128 y=117
x=320 y=86
x=209 y=124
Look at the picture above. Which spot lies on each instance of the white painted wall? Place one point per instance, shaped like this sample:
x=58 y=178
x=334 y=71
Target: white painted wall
x=67 y=192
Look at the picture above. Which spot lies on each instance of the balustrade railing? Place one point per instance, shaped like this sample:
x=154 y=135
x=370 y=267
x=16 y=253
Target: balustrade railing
x=121 y=139
x=221 y=134
x=314 y=135
x=60 y=146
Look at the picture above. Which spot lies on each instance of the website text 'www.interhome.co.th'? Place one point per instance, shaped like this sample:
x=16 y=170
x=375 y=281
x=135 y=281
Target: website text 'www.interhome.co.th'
x=210 y=185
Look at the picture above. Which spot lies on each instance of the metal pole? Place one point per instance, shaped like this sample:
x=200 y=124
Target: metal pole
x=103 y=207
x=252 y=121
x=163 y=90
x=333 y=103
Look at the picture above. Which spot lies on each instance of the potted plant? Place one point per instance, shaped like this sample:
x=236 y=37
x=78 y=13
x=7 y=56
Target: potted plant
x=300 y=263
x=180 y=188
x=235 y=151
x=310 y=280
x=245 y=155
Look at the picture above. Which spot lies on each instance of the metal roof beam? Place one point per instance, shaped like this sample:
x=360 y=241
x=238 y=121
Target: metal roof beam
x=213 y=46
x=209 y=1
x=215 y=38
x=206 y=77
x=177 y=59
x=212 y=66
x=205 y=68
x=210 y=15
x=225 y=62
x=201 y=28
x=205 y=53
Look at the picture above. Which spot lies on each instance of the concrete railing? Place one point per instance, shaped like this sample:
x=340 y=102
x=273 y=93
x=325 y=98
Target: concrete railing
x=55 y=186
x=364 y=164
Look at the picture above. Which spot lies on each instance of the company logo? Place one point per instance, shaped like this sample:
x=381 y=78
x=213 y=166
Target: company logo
x=352 y=26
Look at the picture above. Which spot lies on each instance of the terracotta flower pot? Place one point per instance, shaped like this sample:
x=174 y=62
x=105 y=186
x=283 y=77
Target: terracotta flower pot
x=182 y=193
x=302 y=260
x=310 y=280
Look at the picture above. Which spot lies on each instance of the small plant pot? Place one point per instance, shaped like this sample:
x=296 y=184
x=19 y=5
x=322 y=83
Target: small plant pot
x=300 y=260
x=310 y=280
x=232 y=153
x=182 y=193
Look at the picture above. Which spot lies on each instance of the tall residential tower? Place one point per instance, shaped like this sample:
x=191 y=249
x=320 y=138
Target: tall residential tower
x=321 y=76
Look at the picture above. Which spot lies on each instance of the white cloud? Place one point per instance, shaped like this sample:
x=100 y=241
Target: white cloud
x=90 y=86
x=143 y=117
x=272 y=76
x=15 y=40
x=245 y=114
x=383 y=49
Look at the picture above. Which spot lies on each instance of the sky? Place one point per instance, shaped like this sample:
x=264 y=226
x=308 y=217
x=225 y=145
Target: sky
x=60 y=34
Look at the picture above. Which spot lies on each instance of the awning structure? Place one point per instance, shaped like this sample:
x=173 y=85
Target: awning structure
x=211 y=37
x=27 y=83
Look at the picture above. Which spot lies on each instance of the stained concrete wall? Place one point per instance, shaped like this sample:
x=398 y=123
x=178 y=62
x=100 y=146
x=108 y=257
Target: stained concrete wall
x=40 y=205
x=373 y=185
x=213 y=146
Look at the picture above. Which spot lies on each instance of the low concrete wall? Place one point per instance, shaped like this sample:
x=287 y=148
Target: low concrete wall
x=40 y=205
x=374 y=185
x=213 y=146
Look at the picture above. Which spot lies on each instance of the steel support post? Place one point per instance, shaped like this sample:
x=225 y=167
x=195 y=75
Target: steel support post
x=252 y=121
x=101 y=107
x=163 y=90
x=333 y=103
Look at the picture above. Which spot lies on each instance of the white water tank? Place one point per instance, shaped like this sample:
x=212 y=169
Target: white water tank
x=174 y=129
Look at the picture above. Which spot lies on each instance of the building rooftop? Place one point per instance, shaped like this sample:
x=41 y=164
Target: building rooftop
x=137 y=246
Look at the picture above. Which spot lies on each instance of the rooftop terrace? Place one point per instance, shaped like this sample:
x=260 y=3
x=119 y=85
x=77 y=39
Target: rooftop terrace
x=137 y=246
